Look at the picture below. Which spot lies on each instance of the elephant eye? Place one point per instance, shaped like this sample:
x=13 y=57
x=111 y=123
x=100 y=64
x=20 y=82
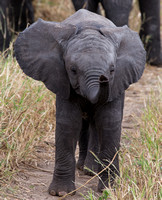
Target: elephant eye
x=73 y=70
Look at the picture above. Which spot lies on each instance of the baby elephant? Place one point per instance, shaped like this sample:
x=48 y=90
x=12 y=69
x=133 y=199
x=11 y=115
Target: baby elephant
x=89 y=63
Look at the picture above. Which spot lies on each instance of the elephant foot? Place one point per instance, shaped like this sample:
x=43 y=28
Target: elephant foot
x=107 y=180
x=102 y=185
x=89 y=172
x=61 y=189
x=80 y=164
x=90 y=168
x=90 y=165
x=157 y=62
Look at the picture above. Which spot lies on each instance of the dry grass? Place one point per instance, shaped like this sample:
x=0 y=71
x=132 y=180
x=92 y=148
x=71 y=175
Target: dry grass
x=27 y=113
x=53 y=10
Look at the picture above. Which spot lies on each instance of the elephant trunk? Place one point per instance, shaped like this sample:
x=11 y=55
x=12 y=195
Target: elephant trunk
x=99 y=93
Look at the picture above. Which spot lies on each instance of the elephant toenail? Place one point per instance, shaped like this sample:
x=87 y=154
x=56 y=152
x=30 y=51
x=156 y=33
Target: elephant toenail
x=62 y=193
x=52 y=192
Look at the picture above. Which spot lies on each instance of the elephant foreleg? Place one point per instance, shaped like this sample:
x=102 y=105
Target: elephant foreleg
x=93 y=6
x=78 y=4
x=109 y=127
x=117 y=11
x=68 y=125
x=5 y=35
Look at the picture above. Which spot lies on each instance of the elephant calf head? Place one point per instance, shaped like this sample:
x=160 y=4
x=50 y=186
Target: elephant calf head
x=83 y=51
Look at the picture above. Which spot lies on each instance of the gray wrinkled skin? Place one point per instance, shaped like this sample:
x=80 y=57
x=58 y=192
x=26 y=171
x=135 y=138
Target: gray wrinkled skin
x=89 y=63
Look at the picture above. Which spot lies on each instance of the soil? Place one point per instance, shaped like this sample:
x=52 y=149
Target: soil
x=32 y=181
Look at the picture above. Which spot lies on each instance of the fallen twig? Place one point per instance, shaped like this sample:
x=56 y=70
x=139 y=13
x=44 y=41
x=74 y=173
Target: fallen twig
x=91 y=178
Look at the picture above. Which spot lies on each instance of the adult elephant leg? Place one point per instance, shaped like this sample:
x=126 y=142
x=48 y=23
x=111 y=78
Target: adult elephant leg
x=108 y=121
x=68 y=126
x=78 y=4
x=5 y=35
x=92 y=6
x=83 y=144
x=21 y=13
x=117 y=11
x=150 y=30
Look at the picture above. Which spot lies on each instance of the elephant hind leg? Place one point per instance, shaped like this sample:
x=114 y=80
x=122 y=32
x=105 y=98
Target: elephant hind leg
x=83 y=144
x=91 y=164
x=117 y=11
x=93 y=6
x=150 y=30
x=88 y=147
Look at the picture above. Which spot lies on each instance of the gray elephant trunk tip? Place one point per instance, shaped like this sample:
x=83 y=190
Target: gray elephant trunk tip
x=99 y=93
x=93 y=95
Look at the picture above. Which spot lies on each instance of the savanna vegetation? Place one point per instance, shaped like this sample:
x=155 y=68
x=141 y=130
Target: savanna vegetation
x=27 y=117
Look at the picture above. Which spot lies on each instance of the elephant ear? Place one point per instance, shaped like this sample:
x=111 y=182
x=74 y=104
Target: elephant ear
x=131 y=58
x=38 y=51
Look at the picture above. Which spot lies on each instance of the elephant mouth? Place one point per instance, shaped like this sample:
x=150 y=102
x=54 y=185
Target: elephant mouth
x=77 y=89
x=104 y=89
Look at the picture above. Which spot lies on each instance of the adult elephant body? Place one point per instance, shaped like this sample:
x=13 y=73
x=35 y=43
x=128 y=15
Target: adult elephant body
x=118 y=12
x=14 y=16
x=89 y=63
x=20 y=14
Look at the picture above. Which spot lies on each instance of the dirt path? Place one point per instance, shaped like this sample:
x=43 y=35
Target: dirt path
x=31 y=183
